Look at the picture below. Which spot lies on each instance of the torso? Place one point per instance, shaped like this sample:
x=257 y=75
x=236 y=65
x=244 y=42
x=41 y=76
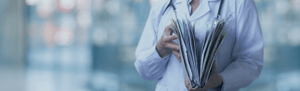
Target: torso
x=173 y=78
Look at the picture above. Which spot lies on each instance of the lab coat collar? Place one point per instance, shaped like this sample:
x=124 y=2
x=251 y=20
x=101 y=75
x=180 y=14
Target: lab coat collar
x=204 y=6
x=191 y=0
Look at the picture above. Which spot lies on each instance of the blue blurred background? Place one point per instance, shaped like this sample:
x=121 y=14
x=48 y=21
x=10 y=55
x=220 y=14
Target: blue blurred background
x=89 y=45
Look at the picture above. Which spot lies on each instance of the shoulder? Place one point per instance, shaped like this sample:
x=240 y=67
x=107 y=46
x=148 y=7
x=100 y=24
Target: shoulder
x=158 y=7
x=241 y=6
x=240 y=3
x=157 y=10
x=245 y=4
x=244 y=1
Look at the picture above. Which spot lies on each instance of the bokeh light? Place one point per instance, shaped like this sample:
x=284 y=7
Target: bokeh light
x=113 y=6
x=84 y=19
x=33 y=30
x=68 y=20
x=114 y=36
x=129 y=27
x=296 y=5
x=83 y=5
x=289 y=81
x=282 y=6
x=31 y=2
x=65 y=5
x=45 y=8
x=100 y=36
x=98 y=5
x=49 y=32
x=293 y=36
x=152 y=2
x=64 y=36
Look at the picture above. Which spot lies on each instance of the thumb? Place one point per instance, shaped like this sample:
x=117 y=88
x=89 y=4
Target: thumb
x=169 y=29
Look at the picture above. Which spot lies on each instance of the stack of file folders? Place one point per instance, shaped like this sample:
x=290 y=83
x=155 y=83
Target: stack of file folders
x=197 y=68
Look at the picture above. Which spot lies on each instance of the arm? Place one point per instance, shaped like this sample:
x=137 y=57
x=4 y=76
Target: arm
x=148 y=62
x=248 y=49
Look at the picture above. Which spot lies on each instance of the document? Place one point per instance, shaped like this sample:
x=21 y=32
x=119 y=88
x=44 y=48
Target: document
x=197 y=68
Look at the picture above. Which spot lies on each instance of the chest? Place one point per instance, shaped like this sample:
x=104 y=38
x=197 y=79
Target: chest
x=202 y=17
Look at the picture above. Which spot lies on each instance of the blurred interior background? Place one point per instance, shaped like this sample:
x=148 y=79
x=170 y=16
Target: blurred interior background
x=89 y=45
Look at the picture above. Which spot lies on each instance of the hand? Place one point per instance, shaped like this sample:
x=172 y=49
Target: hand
x=215 y=80
x=166 y=45
x=188 y=86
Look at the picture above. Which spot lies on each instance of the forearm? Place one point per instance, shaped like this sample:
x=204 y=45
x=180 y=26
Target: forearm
x=150 y=65
x=240 y=73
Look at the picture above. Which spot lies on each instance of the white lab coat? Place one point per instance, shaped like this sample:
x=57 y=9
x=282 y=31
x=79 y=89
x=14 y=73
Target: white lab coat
x=239 y=58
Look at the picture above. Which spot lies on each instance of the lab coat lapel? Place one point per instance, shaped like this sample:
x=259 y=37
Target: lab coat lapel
x=181 y=9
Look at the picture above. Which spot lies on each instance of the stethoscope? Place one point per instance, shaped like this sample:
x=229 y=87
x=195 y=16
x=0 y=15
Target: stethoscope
x=174 y=9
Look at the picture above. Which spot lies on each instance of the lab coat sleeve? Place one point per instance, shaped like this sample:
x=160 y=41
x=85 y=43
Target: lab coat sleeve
x=148 y=62
x=248 y=49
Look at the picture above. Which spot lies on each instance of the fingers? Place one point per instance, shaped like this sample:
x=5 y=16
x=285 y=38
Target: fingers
x=172 y=45
x=170 y=38
x=187 y=84
x=168 y=29
x=161 y=49
x=167 y=36
x=175 y=49
x=177 y=54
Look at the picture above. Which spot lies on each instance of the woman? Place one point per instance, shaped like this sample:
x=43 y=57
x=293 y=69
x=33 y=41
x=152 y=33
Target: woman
x=239 y=59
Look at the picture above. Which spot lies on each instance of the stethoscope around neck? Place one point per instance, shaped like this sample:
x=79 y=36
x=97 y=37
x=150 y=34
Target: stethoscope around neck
x=174 y=9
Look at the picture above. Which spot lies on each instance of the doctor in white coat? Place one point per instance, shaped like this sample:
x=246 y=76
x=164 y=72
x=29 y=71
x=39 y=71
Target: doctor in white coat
x=239 y=59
